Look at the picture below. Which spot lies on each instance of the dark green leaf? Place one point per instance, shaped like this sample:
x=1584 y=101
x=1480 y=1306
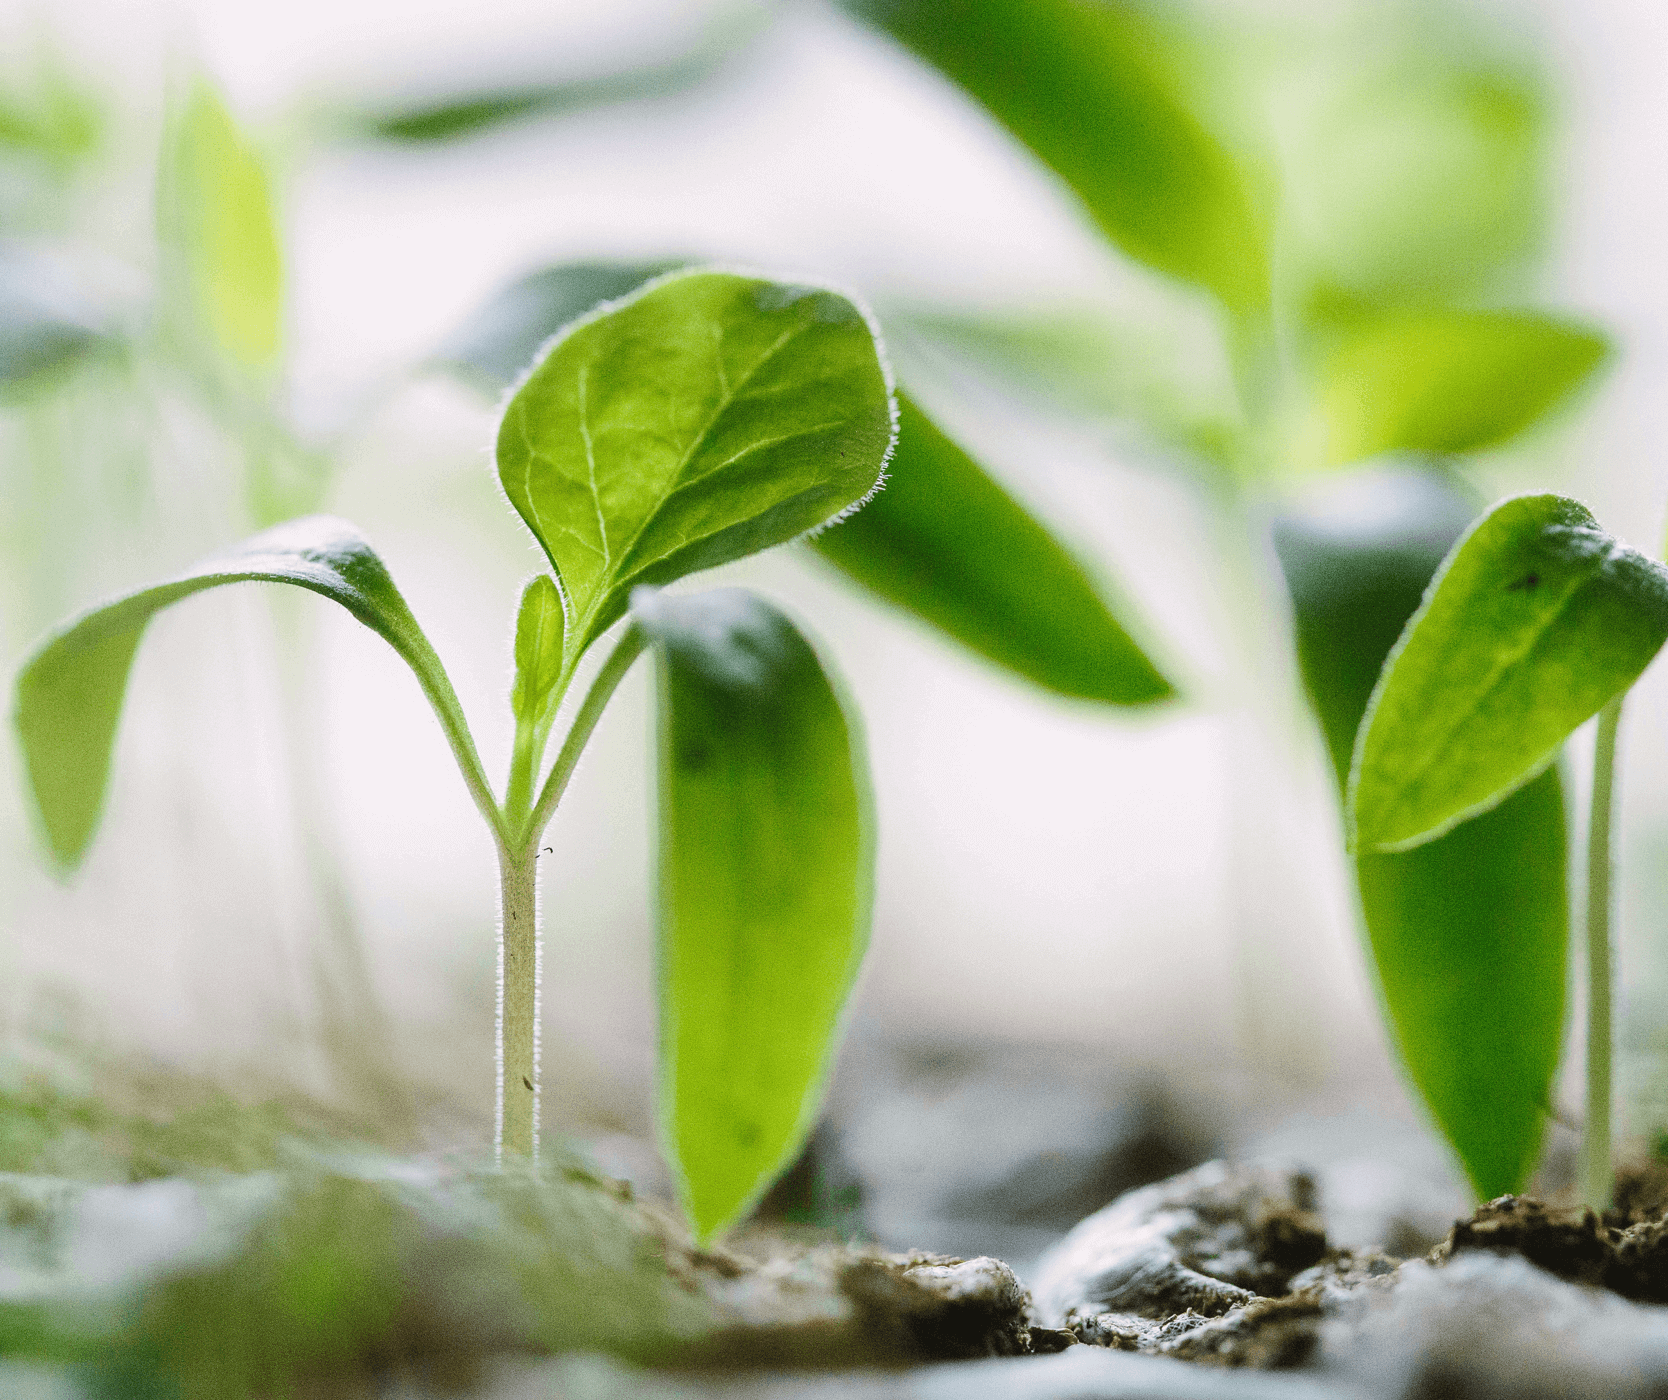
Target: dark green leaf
x=766 y=864
x=501 y=339
x=946 y=543
x=1090 y=89
x=1468 y=932
x=1446 y=381
x=1535 y=621
x=538 y=648
x=46 y=325
x=709 y=416
x=219 y=236
x=69 y=693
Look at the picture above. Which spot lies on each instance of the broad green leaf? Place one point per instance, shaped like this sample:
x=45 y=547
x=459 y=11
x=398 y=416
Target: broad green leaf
x=766 y=864
x=707 y=417
x=538 y=648
x=1536 y=620
x=1445 y=381
x=501 y=339
x=1469 y=932
x=69 y=693
x=948 y=544
x=1087 y=86
x=217 y=227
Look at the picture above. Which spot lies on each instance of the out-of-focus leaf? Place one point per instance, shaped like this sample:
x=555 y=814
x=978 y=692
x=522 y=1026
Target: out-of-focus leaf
x=53 y=117
x=707 y=417
x=1446 y=381
x=1536 y=620
x=1421 y=182
x=460 y=115
x=501 y=339
x=1469 y=932
x=69 y=693
x=766 y=866
x=945 y=542
x=1090 y=89
x=216 y=224
x=1177 y=387
x=45 y=324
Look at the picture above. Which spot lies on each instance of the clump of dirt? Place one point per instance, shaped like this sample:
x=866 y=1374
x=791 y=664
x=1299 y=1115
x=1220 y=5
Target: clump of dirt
x=1625 y=1254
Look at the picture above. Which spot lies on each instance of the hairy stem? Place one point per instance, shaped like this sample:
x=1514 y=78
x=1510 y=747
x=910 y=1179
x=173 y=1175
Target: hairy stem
x=1596 y=1173
x=518 y=1004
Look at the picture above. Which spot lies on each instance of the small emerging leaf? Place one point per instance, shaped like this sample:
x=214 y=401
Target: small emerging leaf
x=538 y=648
x=708 y=417
x=69 y=693
x=766 y=864
x=948 y=544
x=215 y=212
x=1447 y=381
x=1536 y=620
x=1469 y=932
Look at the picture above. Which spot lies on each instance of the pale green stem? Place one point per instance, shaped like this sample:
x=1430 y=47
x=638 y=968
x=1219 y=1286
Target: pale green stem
x=1596 y=1170
x=519 y=947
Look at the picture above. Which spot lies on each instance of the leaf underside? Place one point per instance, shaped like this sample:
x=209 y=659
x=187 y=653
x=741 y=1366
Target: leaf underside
x=946 y=543
x=1468 y=933
x=766 y=860
x=1536 y=620
x=69 y=693
x=708 y=417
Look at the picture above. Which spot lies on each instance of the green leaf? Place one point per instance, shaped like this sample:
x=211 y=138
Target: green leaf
x=1536 y=620
x=945 y=542
x=218 y=232
x=1090 y=88
x=708 y=417
x=501 y=339
x=1445 y=381
x=69 y=693
x=46 y=324
x=1469 y=933
x=538 y=648
x=766 y=867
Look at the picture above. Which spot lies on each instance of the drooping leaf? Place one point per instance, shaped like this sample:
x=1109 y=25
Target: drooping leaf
x=707 y=417
x=218 y=232
x=538 y=648
x=500 y=340
x=1536 y=620
x=1087 y=86
x=1446 y=381
x=1469 y=933
x=69 y=693
x=766 y=861
x=945 y=542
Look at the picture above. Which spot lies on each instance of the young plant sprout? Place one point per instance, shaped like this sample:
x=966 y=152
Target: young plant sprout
x=706 y=417
x=1536 y=621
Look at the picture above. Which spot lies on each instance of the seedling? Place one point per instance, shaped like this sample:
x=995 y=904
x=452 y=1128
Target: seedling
x=707 y=417
x=1536 y=621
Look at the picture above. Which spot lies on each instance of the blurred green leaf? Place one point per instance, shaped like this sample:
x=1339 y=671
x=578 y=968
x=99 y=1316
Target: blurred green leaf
x=1469 y=933
x=708 y=417
x=1536 y=620
x=766 y=868
x=1093 y=90
x=46 y=325
x=945 y=542
x=218 y=232
x=69 y=693
x=50 y=115
x=502 y=339
x=1446 y=381
x=1420 y=179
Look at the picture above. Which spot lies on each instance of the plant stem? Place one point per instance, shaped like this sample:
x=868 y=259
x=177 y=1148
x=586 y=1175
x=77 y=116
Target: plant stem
x=1596 y=1173
x=518 y=1004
